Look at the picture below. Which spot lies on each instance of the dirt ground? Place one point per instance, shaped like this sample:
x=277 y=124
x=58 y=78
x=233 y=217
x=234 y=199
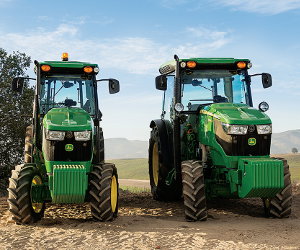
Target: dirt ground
x=147 y=224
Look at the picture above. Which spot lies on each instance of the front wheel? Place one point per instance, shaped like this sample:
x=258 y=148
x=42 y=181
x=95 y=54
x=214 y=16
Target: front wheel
x=104 y=192
x=193 y=191
x=22 y=206
x=280 y=206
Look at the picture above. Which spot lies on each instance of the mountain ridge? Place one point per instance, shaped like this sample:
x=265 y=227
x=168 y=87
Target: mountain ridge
x=123 y=148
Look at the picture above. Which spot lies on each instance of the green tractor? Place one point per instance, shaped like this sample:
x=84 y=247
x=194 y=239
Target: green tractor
x=64 y=146
x=210 y=142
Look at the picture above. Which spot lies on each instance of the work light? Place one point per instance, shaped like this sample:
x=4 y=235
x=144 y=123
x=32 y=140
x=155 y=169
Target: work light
x=264 y=129
x=55 y=135
x=82 y=135
x=235 y=129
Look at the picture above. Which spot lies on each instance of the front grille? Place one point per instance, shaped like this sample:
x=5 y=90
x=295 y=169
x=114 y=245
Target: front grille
x=55 y=150
x=240 y=145
x=237 y=145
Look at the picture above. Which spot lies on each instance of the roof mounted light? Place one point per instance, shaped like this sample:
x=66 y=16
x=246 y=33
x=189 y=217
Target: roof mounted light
x=46 y=68
x=65 y=56
x=241 y=65
x=191 y=64
x=88 y=69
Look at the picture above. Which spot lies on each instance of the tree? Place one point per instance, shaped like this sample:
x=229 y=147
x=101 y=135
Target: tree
x=15 y=110
x=294 y=150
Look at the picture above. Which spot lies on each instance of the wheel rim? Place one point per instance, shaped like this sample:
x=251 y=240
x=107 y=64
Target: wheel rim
x=267 y=203
x=113 y=193
x=36 y=206
x=155 y=163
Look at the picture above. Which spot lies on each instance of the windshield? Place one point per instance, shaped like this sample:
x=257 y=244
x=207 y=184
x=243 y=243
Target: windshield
x=212 y=86
x=66 y=91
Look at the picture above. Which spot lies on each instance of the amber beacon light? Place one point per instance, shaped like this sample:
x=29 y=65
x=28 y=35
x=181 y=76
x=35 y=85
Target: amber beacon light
x=65 y=56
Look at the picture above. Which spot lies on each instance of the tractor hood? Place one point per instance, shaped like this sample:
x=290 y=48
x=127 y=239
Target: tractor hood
x=231 y=113
x=67 y=119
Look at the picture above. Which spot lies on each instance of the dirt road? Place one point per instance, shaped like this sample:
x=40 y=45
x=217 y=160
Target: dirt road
x=147 y=224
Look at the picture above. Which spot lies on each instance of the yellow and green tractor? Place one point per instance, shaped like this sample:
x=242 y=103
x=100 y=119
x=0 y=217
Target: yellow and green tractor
x=211 y=142
x=64 y=145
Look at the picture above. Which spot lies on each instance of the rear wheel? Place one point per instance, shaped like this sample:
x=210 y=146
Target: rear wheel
x=280 y=206
x=193 y=191
x=104 y=192
x=159 y=171
x=21 y=204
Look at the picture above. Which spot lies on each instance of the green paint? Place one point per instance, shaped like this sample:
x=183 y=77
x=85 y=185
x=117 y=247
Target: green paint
x=67 y=64
x=69 y=147
x=68 y=119
x=240 y=114
x=260 y=177
x=70 y=183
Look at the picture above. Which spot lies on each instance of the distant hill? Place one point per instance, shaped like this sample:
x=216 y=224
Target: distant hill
x=283 y=143
x=122 y=148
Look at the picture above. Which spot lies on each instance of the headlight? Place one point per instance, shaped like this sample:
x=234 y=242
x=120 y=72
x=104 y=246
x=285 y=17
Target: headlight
x=55 y=135
x=264 y=129
x=179 y=107
x=235 y=129
x=82 y=135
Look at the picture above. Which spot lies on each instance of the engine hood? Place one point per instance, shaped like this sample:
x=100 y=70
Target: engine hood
x=67 y=119
x=236 y=114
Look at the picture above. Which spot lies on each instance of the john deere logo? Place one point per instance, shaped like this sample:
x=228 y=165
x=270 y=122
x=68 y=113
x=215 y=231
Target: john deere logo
x=251 y=141
x=69 y=147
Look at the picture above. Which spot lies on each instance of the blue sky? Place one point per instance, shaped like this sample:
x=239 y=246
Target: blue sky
x=131 y=39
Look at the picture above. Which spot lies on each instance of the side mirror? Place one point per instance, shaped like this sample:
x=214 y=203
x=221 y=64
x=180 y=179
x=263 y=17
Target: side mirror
x=266 y=80
x=114 y=86
x=161 y=82
x=17 y=84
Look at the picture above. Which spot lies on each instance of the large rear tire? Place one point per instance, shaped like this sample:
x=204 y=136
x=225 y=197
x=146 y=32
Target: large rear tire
x=193 y=191
x=28 y=145
x=159 y=170
x=104 y=192
x=21 y=205
x=280 y=206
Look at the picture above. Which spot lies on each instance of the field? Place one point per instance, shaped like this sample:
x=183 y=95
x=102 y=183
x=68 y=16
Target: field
x=132 y=168
x=294 y=162
x=138 y=168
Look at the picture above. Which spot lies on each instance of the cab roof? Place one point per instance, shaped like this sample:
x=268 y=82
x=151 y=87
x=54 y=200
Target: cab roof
x=68 y=64
x=169 y=66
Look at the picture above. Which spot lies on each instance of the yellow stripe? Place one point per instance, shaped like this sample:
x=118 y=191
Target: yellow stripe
x=202 y=111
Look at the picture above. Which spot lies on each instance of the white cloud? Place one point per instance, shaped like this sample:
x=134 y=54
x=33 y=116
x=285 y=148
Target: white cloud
x=271 y=7
x=133 y=54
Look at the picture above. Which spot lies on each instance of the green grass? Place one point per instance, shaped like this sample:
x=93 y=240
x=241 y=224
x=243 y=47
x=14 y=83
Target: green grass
x=294 y=162
x=135 y=190
x=138 y=168
x=132 y=168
